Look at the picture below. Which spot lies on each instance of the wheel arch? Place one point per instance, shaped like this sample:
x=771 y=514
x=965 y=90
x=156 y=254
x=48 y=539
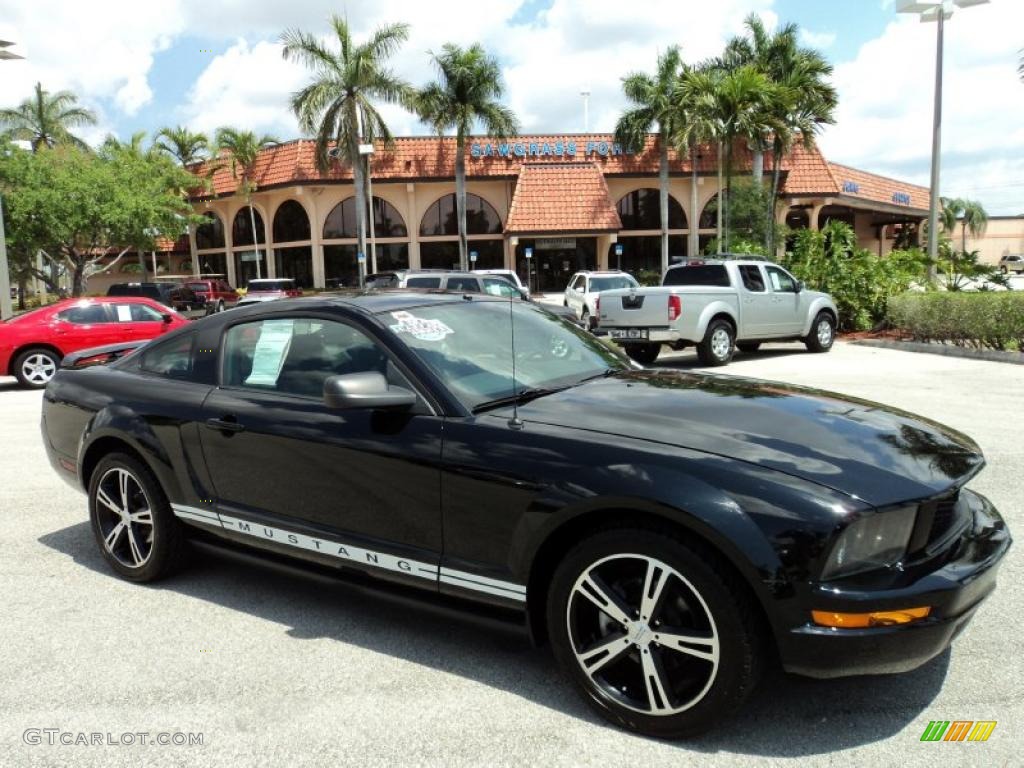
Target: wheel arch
x=32 y=345
x=715 y=311
x=126 y=435
x=570 y=531
x=820 y=305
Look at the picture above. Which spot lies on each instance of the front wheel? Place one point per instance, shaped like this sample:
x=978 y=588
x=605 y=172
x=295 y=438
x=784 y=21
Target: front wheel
x=645 y=354
x=35 y=367
x=717 y=346
x=656 y=636
x=823 y=333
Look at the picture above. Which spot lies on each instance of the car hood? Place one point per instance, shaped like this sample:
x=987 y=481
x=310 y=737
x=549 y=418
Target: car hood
x=876 y=453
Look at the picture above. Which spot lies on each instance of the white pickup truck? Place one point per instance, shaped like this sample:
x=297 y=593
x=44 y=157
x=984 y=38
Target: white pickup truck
x=717 y=305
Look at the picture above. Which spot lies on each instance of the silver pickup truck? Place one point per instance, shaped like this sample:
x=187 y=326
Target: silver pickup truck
x=717 y=306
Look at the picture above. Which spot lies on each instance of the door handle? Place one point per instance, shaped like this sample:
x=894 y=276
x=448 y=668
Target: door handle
x=228 y=424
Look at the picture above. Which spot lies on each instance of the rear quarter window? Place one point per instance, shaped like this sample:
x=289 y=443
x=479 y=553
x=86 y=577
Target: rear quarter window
x=173 y=358
x=705 y=274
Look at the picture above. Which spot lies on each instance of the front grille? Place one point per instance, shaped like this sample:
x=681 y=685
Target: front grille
x=938 y=521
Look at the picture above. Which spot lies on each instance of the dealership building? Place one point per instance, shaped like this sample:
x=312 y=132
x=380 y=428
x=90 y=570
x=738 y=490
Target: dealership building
x=573 y=202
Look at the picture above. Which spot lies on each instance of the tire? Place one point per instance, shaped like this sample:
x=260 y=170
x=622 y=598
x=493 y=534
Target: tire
x=220 y=305
x=748 y=347
x=645 y=354
x=718 y=345
x=702 y=681
x=143 y=551
x=586 y=321
x=823 y=333
x=1004 y=270
x=35 y=367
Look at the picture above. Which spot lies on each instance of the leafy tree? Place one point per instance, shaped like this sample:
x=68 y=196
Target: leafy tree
x=79 y=207
x=693 y=127
x=466 y=93
x=338 y=104
x=46 y=119
x=654 y=103
x=239 y=151
x=188 y=148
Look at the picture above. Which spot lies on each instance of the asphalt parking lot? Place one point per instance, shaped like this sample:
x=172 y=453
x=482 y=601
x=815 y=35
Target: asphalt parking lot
x=285 y=670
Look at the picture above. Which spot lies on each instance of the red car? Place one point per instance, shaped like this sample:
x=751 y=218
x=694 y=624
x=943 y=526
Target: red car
x=33 y=344
x=276 y=287
x=218 y=294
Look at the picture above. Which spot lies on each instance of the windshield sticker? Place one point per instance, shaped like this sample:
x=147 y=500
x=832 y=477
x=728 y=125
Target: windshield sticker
x=271 y=348
x=420 y=328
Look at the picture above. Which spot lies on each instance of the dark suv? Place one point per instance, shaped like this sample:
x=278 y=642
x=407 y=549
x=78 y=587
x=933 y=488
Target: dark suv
x=177 y=296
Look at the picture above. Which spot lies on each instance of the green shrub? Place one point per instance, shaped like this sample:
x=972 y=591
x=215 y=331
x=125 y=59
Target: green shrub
x=983 y=320
x=648 y=277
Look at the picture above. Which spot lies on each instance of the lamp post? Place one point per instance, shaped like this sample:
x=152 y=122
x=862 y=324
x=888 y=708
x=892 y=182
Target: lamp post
x=6 y=308
x=366 y=150
x=937 y=11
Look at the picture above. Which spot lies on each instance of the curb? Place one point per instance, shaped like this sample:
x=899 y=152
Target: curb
x=946 y=350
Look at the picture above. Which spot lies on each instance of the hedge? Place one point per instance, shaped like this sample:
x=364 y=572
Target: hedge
x=982 y=320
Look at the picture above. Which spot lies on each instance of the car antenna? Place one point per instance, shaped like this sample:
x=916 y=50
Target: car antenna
x=515 y=422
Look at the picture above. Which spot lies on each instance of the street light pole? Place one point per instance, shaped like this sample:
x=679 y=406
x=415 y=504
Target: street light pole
x=937 y=11
x=6 y=308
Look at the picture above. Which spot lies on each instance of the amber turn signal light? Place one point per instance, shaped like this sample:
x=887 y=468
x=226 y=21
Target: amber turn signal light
x=873 y=619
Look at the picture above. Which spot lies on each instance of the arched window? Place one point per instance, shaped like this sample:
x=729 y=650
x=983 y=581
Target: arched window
x=241 y=228
x=640 y=209
x=210 y=234
x=291 y=222
x=709 y=216
x=441 y=218
x=341 y=221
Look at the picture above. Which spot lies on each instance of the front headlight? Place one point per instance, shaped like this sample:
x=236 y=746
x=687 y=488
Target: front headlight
x=871 y=542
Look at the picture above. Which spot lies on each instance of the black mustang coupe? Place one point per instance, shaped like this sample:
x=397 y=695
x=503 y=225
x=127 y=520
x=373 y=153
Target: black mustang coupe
x=667 y=532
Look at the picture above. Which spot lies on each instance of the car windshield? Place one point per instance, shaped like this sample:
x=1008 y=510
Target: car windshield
x=598 y=284
x=271 y=285
x=469 y=346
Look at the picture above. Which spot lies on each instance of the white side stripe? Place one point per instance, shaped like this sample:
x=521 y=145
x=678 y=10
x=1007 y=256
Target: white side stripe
x=463 y=579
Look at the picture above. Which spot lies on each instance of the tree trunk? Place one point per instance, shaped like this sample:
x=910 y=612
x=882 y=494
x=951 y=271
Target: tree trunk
x=694 y=248
x=22 y=288
x=772 y=202
x=663 y=199
x=255 y=240
x=371 y=259
x=721 y=199
x=758 y=164
x=192 y=249
x=78 y=276
x=727 y=230
x=360 y=190
x=963 y=237
x=460 y=198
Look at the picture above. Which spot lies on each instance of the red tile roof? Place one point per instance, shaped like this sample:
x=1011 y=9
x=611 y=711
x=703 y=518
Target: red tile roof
x=561 y=197
x=805 y=171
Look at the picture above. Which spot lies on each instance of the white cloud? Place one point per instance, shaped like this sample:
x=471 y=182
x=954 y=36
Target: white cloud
x=817 y=39
x=884 y=119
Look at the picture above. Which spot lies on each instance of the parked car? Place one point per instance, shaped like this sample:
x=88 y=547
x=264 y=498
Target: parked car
x=217 y=294
x=258 y=298
x=583 y=289
x=390 y=279
x=718 y=305
x=177 y=296
x=33 y=344
x=1014 y=262
x=667 y=532
x=509 y=274
x=492 y=283
x=278 y=287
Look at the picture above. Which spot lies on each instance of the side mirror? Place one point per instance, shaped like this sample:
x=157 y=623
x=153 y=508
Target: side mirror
x=365 y=390
x=166 y=317
x=799 y=285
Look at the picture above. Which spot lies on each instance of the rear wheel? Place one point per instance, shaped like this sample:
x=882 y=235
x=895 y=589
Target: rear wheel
x=655 y=635
x=823 y=333
x=645 y=354
x=716 y=348
x=132 y=521
x=748 y=347
x=35 y=367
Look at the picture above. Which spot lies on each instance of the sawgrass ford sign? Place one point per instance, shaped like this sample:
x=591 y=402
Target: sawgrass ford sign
x=558 y=148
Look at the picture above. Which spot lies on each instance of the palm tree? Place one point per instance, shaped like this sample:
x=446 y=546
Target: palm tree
x=805 y=100
x=737 y=103
x=974 y=219
x=692 y=128
x=338 y=105
x=187 y=148
x=952 y=210
x=243 y=148
x=45 y=119
x=654 y=101
x=466 y=93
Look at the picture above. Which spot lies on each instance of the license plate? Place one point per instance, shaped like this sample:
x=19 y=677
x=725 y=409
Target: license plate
x=628 y=333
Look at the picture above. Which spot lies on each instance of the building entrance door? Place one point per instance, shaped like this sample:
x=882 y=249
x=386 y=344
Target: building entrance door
x=551 y=268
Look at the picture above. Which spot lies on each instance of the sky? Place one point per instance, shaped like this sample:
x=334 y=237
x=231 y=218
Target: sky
x=144 y=65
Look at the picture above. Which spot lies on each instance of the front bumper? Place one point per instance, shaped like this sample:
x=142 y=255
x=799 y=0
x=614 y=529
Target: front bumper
x=954 y=592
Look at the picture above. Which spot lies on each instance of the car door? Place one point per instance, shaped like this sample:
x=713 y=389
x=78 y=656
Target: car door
x=87 y=325
x=757 y=303
x=361 y=486
x=138 y=321
x=787 y=316
x=574 y=293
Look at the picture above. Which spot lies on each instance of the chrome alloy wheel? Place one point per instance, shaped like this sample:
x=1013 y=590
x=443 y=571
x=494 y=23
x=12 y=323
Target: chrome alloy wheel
x=643 y=634
x=125 y=517
x=824 y=332
x=720 y=343
x=38 y=368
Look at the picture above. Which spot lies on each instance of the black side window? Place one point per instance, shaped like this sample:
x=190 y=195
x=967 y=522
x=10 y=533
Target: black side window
x=86 y=314
x=463 y=284
x=705 y=274
x=423 y=282
x=173 y=358
x=752 y=279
